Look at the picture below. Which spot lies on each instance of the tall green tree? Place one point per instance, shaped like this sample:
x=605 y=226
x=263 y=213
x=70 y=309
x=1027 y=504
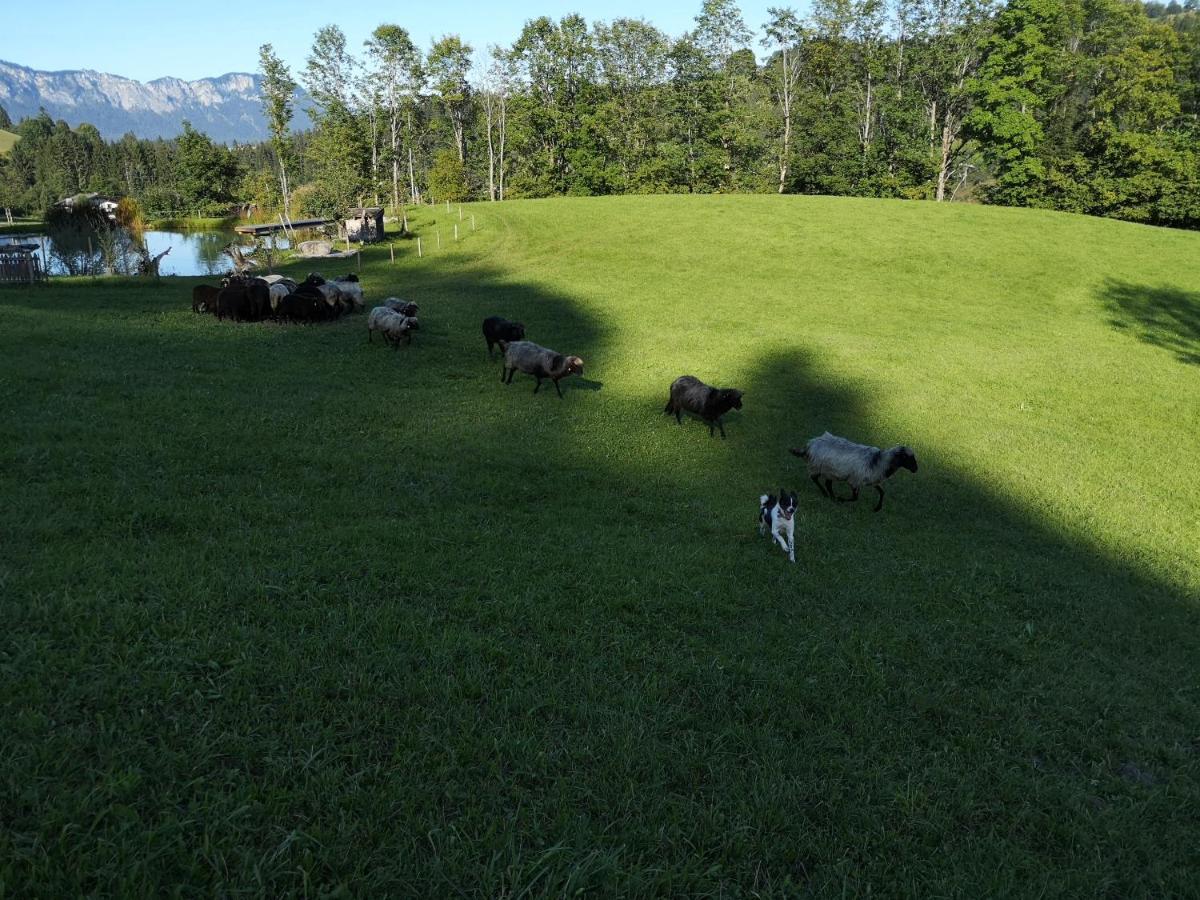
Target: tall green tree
x=397 y=67
x=784 y=35
x=206 y=173
x=449 y=64
x=278 y=92
x=338 y=151
x=1022 y=74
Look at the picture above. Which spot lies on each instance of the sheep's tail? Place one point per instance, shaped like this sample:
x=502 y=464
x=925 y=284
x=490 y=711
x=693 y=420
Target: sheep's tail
x=801 y=452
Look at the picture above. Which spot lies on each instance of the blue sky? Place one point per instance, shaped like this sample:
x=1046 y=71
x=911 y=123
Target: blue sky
x=151 y=38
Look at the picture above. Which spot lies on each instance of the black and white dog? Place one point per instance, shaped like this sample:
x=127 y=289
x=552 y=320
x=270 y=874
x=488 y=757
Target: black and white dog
x=777 y=518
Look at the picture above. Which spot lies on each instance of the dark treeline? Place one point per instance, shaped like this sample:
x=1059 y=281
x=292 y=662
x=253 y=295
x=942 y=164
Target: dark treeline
x=1083 y=105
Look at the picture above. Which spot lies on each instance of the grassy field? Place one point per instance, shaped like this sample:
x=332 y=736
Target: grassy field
x=7 y=140
x=287 y=612
x=23 y=226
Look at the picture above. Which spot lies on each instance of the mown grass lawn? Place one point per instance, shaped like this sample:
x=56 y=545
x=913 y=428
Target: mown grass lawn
x=286 y=612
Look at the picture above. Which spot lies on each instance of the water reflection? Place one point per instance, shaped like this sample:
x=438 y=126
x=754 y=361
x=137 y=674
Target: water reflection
x=192 y=252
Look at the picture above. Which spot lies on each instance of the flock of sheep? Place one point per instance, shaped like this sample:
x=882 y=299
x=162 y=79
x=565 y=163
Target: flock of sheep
x=830 y=458
x=245 y=298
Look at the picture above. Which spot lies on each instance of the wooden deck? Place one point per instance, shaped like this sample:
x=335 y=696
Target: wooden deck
x=272 y=227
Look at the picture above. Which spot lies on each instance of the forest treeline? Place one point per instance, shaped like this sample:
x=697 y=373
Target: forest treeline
x=1089 y=106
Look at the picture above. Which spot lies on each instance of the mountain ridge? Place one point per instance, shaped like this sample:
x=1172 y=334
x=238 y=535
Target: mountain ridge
x=226 y=107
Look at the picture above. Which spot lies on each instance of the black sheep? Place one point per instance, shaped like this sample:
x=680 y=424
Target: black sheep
x=204 y=298
x=244 y=300
x=690 y=394
x=300 y=306
x=497 y=330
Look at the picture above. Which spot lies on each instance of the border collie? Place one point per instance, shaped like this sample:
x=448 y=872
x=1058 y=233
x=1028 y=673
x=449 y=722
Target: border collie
x=777 y=518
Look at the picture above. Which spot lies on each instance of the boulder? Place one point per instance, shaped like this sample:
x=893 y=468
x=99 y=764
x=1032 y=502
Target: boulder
x=315 y=248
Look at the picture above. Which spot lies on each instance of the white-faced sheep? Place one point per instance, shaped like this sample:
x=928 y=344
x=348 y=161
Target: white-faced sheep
x=392 y=325
x=832 y=458
x=528 y=357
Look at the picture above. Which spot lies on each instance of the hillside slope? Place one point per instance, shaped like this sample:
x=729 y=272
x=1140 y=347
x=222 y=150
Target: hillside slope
x=290 y=609
x=7 y=140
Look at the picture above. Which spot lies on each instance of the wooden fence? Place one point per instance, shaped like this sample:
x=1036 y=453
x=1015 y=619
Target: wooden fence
x=20 y=265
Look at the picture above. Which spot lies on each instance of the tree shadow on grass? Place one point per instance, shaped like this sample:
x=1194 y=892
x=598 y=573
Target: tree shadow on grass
x=1164 y=316
x=422 y=642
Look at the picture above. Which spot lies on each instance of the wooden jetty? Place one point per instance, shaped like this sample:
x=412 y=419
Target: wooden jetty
x=272 y=227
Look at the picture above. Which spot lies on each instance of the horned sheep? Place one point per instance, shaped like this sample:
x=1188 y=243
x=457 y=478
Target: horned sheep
x=541 y=363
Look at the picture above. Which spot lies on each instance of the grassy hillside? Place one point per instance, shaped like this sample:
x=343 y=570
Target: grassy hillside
x=287 y=611
x=7 y=140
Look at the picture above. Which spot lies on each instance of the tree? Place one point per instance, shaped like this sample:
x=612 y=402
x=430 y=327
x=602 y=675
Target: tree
x=496 y=90
x=785 y=34
x=337 y=151
x=555 y=62
x=448 y=177
x=953 y=34
x=1025 y=61
x=5 y=121
x=449 y=63
x=720 y=33
x=278 y=90
x=206 y=173
x=329 y=69
x=397 y=67
x=629 y=124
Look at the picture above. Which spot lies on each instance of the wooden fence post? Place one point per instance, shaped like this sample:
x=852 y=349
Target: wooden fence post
x=392 y=253
x=419 y=253
x=456 y=231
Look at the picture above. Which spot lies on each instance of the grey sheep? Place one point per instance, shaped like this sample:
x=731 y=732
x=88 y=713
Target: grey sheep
x=392 y=325
x=528 y=357
x=832 y=458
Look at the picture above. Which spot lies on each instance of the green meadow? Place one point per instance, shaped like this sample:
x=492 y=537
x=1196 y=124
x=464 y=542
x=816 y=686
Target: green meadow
x=287 y=612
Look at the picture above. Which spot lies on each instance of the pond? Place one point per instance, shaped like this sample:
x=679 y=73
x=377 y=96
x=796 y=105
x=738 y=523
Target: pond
x=192 y=252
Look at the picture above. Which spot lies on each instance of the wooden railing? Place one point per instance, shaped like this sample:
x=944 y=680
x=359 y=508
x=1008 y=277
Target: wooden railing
x=20 y=267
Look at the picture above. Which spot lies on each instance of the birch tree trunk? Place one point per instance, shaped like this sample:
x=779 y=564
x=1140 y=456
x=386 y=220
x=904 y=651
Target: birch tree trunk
x=786 y=96
x=944 y=166
x=489 y=102
x=283 y=186
x=503 y=131
x=395 y=136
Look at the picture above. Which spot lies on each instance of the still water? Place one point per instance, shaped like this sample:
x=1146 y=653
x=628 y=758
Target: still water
x=192 y=252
